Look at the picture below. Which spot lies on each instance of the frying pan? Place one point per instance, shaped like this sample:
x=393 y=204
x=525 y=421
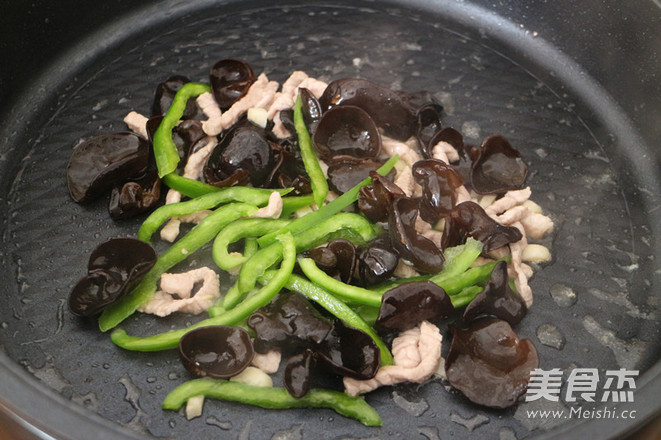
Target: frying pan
x=574 y=85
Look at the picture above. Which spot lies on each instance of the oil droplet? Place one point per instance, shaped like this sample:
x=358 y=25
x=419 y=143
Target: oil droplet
x=415 y=408
x=293 y=433
x=429 y=432
x=550 y=336
x=507 y=434
x=89 y=400
x=224 y=425
x=469 y=423
x=132 y=396
x=627 y=353
x=563 y=295
x=471 y=129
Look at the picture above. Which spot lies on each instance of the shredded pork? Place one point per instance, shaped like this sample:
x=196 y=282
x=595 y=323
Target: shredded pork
x=268 y=362
x=208 y=105
x=177 y=293
x=509 y=200
x=417 y=353
x=521 y=270
x=137 y=123
x=273 y=209
x=260 y=95
x=286 y=98
x=192 y=170
x=445 y=151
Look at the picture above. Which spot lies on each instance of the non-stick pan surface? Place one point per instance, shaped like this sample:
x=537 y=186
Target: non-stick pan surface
x=596 y=304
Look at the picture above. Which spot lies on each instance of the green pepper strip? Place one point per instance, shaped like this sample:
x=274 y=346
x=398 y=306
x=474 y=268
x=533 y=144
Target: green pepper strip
x=188 y=187
x=477 y=275
x=464 y=297
x=244 y=309
x=165 y=151
x=453 y=285
x=250 y=247
x=232 y=297
x=457 y=260
x=313 y=219
x=249 y=227
x=310 y=161
x=197 y=237
x=292 y=204
x=353 y=227
x=345 y=291
x=244 y=194
x=273 y=398
x=335 y=307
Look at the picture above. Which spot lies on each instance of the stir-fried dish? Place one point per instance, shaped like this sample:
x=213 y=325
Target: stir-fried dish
x=354 y=224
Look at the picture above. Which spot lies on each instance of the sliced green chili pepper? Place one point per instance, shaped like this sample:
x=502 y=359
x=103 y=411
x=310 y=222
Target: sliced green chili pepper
x=292 y=204
x=353 y=227
x=249 y=227
x=457 y=260
x=336 y=287
x=165 y=151
x=367 y=313
x=231 y=299
x=262 y=297
x=313 y=219
x=188 y=187
x=310 y=161
x=273 y=398
x=197 y=237
x=465 y=296
x=474 y=276
x=335 y=307
x=244 y=194
x=250 y=247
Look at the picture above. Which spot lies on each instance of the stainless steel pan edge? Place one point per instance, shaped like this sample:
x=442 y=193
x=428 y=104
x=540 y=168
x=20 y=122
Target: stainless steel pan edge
x=66 y=420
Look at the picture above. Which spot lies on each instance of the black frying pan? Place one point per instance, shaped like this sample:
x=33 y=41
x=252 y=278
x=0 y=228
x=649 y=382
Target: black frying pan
x=581 y=104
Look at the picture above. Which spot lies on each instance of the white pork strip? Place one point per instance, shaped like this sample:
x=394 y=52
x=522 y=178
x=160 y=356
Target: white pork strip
x=509 y=200
x=268 y=362
x=260 y=95
x=536 y=225
x=426 y=230
x=192 y=170
x=273 y=209
x=463 y=195
x=416 y=353
x=405 y=150
x=521 y=273
x=445 y=151
x=287 y=97
x=176 y=294
x=170 y=231
x=137 y=123
x=314 y=85
x=404 y=270
x=208 y=105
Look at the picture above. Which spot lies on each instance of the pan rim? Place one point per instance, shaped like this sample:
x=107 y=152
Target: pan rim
x=115 y=34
